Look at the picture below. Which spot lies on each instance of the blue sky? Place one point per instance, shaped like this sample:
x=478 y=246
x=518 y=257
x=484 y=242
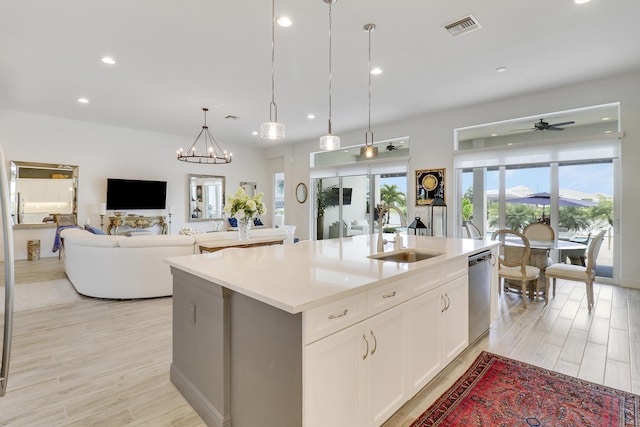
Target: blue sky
x=589 y=178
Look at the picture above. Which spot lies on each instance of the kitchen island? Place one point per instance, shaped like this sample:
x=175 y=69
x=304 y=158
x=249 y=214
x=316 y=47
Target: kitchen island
x=317 y=333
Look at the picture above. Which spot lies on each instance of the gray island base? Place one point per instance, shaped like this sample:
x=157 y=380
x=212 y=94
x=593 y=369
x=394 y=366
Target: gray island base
x=213 y=326
x=318 y=334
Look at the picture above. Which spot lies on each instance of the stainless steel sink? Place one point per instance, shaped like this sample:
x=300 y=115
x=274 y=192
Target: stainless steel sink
x=405 y=256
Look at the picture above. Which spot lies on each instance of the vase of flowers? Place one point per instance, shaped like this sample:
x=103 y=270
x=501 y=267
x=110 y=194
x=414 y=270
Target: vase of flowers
x=244 y=209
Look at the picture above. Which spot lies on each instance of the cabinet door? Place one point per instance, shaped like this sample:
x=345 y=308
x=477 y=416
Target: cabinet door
x=424 y=349
x=455 y=318
x=335 y=379
x=386 y=366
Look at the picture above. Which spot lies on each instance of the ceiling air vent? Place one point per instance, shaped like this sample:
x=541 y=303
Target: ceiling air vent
x=463 y=26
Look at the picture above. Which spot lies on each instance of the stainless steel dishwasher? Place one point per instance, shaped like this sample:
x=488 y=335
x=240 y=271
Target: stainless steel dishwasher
x=479 y=294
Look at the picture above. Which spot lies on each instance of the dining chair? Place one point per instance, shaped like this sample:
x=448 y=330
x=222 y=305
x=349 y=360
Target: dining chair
x=577 y=273
x=473 y=232
x=512 y=263
x=539 y=231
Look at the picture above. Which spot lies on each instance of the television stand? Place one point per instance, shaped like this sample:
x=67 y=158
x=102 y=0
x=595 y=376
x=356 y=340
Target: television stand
x=136 y=222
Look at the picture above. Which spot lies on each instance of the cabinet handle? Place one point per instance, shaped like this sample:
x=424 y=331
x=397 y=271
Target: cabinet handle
x=392 y=294
x=375 y=342
x=335 y=316
x=366 y=353
x=448 y=302
x=445 y=303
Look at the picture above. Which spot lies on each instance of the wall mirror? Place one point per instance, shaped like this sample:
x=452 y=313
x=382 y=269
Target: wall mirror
x=250 y=188
x=39 y=190
x=301 y=192
x=206 y=197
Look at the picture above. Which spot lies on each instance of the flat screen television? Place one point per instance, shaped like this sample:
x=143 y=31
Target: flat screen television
x=123 y=194
x=335 y=196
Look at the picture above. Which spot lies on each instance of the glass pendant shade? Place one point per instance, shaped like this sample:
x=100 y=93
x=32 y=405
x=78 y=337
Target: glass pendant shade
x=369 y=151
x=329 y=142
x=272 y=130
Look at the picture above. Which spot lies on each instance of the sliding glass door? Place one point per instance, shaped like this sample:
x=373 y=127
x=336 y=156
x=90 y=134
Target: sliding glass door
x=348 y=206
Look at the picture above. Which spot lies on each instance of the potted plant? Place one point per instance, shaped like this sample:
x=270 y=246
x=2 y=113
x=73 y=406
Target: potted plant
x=323 y=198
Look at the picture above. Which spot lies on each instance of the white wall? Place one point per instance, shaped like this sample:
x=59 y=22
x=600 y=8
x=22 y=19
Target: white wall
x=432 y=147
x=107 y=151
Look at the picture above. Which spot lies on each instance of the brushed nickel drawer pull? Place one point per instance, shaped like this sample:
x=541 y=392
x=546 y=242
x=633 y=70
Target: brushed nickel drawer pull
x=335 y=316
x=366 y=352
x=392 y=294
x=375 y=342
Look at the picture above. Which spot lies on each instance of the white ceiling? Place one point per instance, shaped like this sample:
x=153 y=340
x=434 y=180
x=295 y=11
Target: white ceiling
x=175 y=57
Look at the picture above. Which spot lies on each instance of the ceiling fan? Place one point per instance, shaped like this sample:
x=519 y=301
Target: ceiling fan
x=391 y=147
x=542 y=125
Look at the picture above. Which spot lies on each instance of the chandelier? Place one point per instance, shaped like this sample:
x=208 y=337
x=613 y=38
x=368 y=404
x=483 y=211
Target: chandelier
x=211 y=151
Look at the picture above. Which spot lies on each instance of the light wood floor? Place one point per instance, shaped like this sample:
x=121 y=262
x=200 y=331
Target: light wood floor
x=99 y=362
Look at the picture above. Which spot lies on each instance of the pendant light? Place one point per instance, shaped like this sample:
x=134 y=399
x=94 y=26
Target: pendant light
x=211 y=151
x=329 y=142
x=369 y=151
x=272 y=129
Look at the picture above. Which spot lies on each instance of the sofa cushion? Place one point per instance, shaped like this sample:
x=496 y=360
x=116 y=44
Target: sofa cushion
x=95 y=241
x=156 y=241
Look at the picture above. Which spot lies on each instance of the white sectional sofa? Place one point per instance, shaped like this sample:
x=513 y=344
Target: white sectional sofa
x=120 y=267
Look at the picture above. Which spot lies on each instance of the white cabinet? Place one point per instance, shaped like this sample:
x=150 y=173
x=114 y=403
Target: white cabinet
x=335 y=379
x=455 y=318
x=425 y=354
x=386 y=366
x=356 y=377
x=438 y=331
x=363 y=373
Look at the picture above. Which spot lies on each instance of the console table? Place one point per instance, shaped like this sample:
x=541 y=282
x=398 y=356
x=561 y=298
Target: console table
x=217 y=245
x=136 y=222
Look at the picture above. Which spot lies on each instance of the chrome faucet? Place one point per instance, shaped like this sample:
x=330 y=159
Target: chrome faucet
x=381 y=213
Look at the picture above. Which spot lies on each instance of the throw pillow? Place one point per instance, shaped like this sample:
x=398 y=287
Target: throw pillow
x=257 y=222
x=233 y=222
x=94 y=230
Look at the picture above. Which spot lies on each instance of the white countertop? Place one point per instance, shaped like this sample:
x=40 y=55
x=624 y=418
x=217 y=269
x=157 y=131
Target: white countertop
x=307 y=274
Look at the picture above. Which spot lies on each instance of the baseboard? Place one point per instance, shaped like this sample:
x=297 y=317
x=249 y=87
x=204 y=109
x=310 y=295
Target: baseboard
x=209 y=414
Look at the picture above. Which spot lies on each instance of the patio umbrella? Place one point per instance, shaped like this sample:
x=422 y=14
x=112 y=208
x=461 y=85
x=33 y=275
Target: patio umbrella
x=544 y=199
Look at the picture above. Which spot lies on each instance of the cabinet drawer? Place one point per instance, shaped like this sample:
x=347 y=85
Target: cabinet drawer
x=384 y=297
x=455 y=268
x=424 y=282
x=329 y=318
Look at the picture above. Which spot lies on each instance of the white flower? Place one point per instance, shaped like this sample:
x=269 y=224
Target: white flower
x=242 y=206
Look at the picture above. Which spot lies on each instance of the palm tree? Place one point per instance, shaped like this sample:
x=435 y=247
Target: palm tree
x=391 y=195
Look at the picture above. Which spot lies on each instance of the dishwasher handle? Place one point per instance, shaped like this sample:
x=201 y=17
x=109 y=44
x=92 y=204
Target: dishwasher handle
x=479 y=258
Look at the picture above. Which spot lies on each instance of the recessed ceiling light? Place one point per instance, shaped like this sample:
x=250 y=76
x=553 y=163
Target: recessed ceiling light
x=606 y=118
x=254 y=132
x=83 y=100
x=608 y=131
x=509 y=143
x=501 y=69
x=376 y=71
x=284 y=21
x=581 y=1
x=311 y=116
x=494 y=134
x=108 y=60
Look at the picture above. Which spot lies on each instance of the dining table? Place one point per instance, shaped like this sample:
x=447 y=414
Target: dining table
x=539 y=257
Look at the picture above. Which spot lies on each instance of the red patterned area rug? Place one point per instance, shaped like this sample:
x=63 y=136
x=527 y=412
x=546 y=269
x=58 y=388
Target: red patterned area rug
x=498 y=391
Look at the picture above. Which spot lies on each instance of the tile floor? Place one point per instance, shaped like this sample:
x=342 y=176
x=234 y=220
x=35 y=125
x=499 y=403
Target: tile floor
x=99 y=362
